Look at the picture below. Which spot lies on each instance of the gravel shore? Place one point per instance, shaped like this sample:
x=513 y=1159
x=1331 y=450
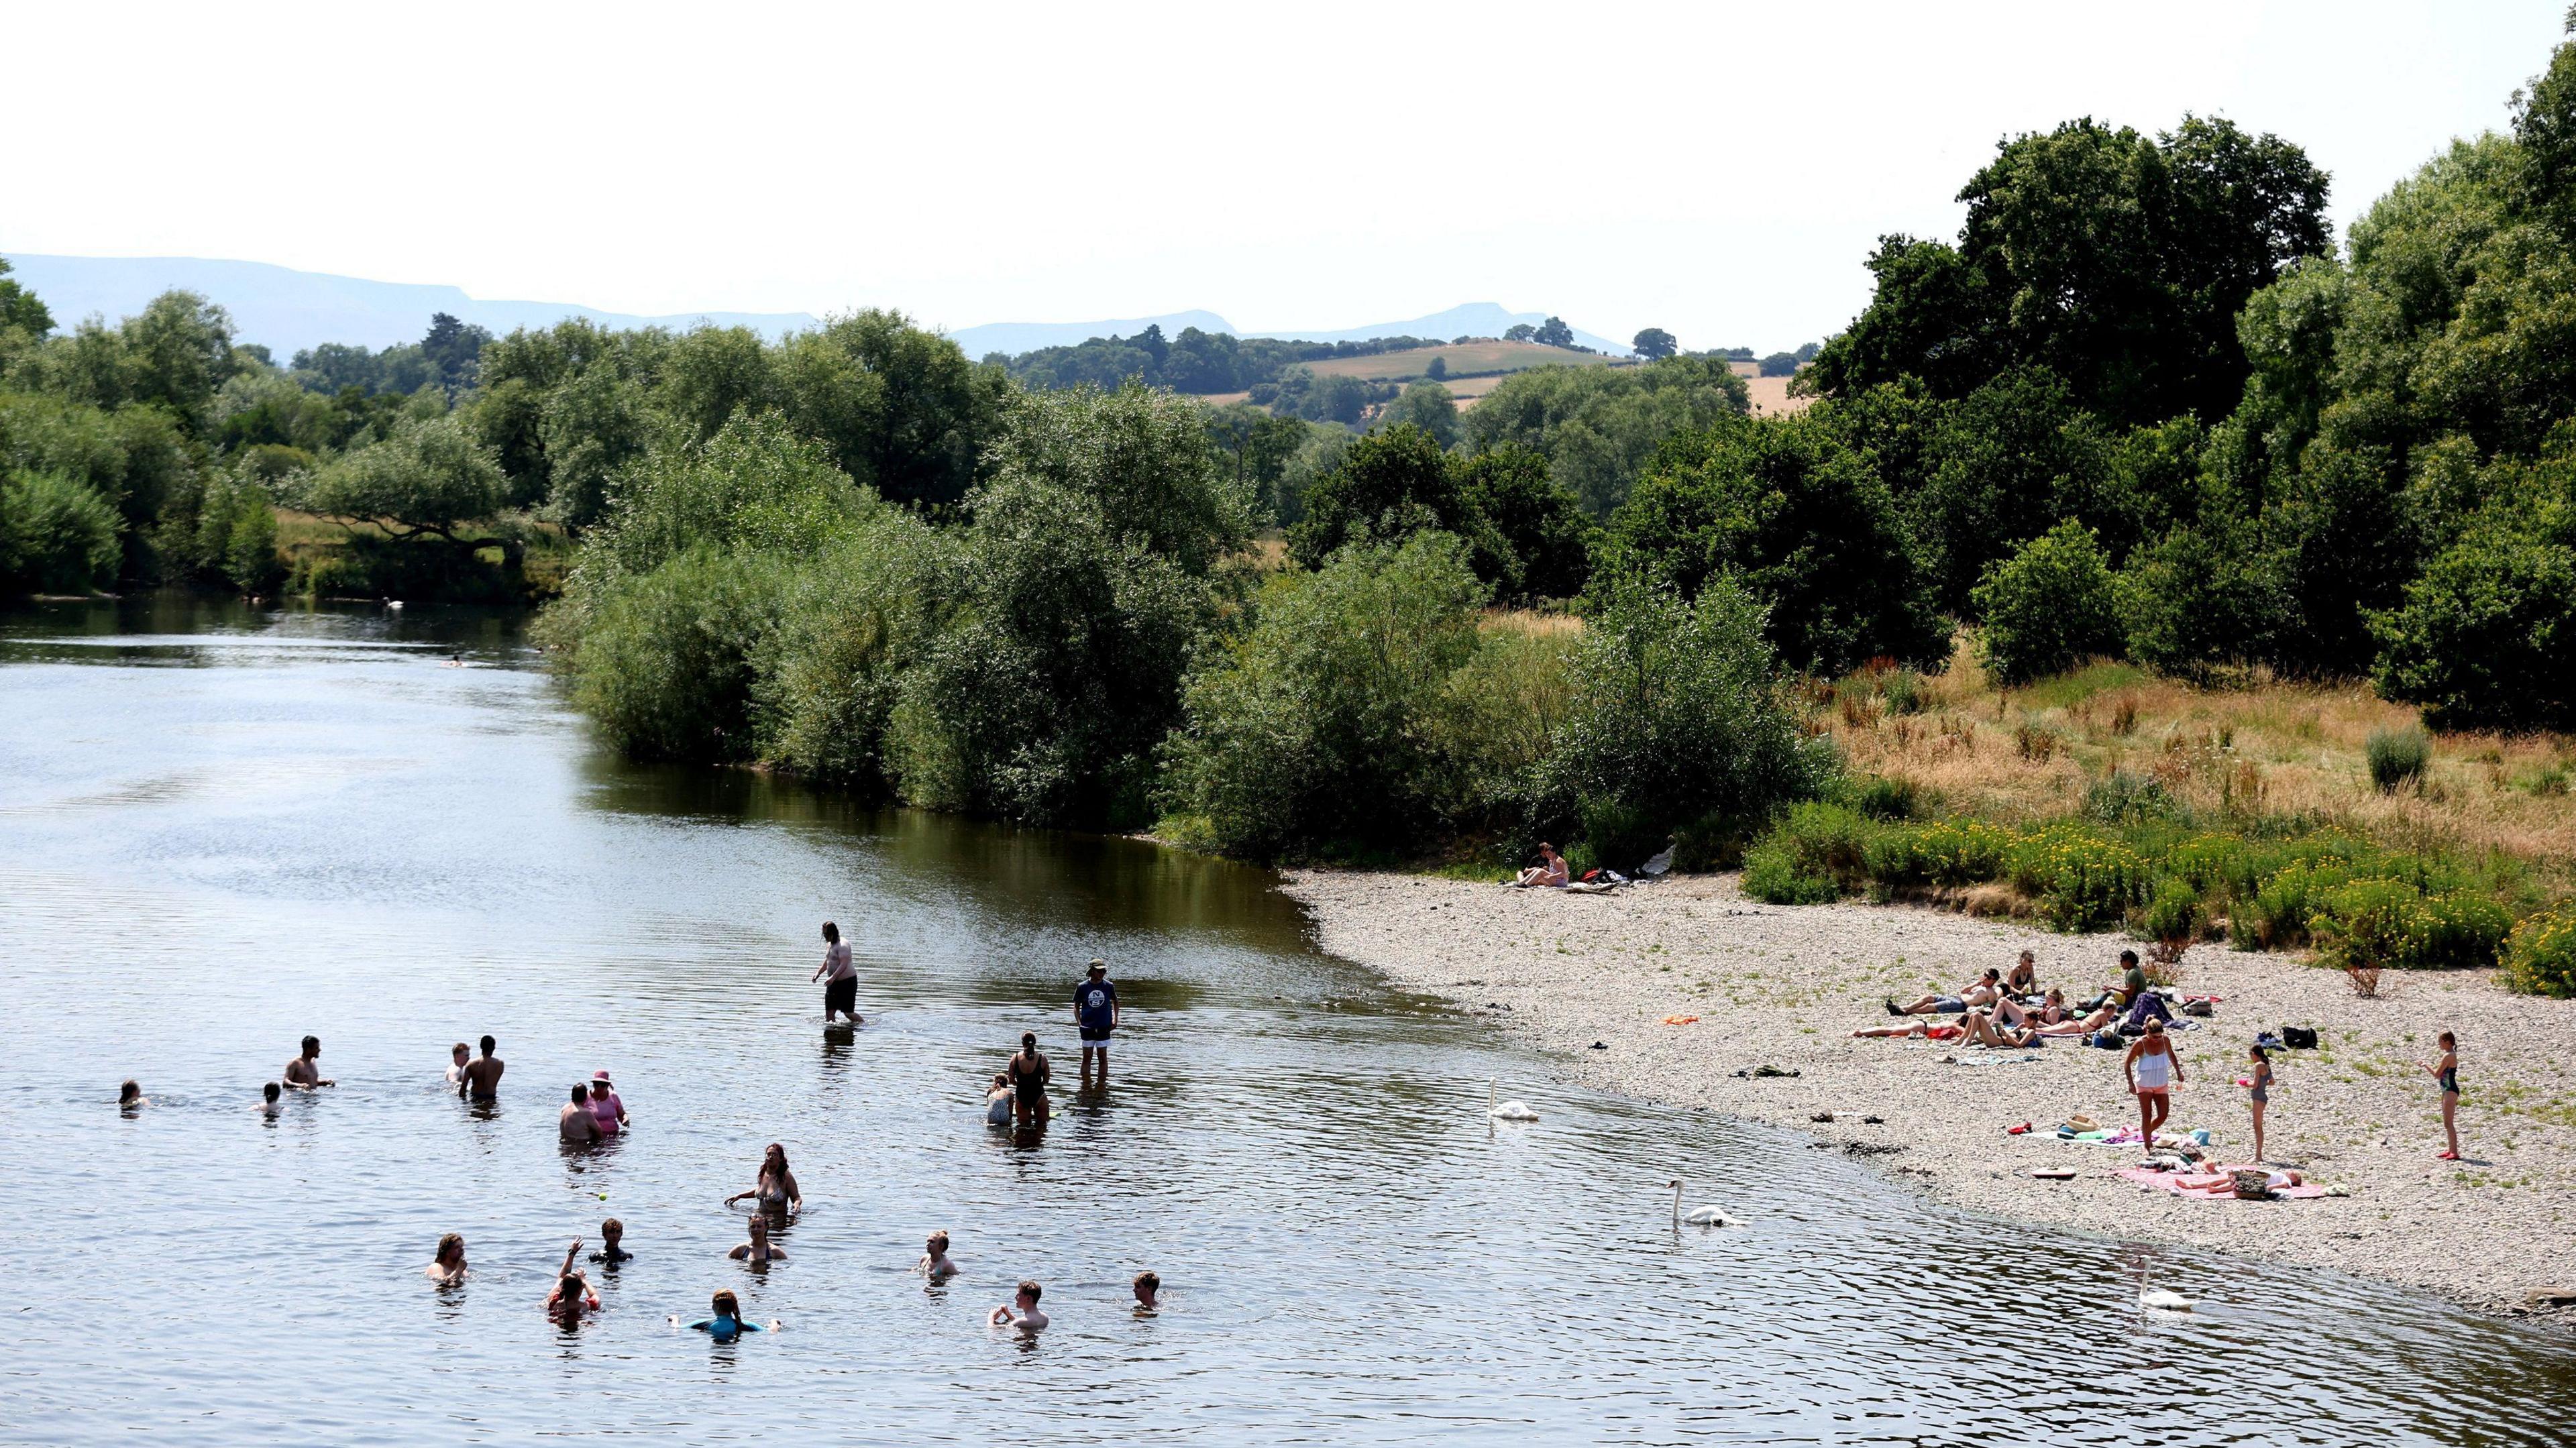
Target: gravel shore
x=1784 y=986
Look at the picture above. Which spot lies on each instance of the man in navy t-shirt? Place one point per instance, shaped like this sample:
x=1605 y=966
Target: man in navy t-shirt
x=1095 y=1015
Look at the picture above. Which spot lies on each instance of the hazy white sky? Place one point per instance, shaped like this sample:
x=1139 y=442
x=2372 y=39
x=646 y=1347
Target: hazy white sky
x=1716 y=169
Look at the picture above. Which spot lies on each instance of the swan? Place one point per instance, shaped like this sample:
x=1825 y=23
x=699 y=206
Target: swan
x=393 y=603
x=2157 y=1297
x=1509 y=1110
x=1700 y=1216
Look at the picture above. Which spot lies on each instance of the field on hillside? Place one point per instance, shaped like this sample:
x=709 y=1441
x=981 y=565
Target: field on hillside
x=1470 y=357
x=1771 y=397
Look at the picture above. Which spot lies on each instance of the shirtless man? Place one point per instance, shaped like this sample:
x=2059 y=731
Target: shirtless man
x=1023 y=1312
x=482 y=1079
x=1149 y=1287
x=305 y=1071
x=457 y=1056
x=579 y=1125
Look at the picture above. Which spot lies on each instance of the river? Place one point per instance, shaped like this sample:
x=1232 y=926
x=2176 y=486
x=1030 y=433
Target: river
x=222 y=829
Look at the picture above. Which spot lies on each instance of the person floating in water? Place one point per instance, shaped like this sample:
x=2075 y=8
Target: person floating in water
x=130 y=1095
x=447 y=1269
x=1149 y=1288
x=840 y=978
x=1095 y=1015
x=1022 y=1312
x=612 y=1244
x=305 y=1071
x=1028 y=1072
x=726 y=1322
x=775 y=1189
x=935 y=1263
x=457 y=1057
x=579 y=1125
x=757 y=1251
x=268 y=1094
x=482 y=1078
x=605 y=1105
x=571 y=1295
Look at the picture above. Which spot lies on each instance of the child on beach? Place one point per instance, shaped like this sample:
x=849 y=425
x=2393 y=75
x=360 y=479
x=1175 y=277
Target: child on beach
x=2446 y=1071
x=2261 y=1093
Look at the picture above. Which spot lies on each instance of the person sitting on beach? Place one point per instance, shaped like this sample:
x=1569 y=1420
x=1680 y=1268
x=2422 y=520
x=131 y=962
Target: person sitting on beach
x=2133 y=978
x=268 y=1094
x=612 y=1244
x=605 y=1105
x=935 y=1263
x=1028 y=1072
x=447 y=1269
x=579 y=1125
x=2153 y=1070
x=775 y=1188
x=482 y=1077
x=571 y=1296
x=1149 y=1287
x=1549 y=873
x=457 y=1056
x=2024 y=979
x=997 y=1101
x=1022 y=1312
x=305 y=1071
x=725 y=1321
x=757 y=1251
x=1977 y=993
x=130 y=1095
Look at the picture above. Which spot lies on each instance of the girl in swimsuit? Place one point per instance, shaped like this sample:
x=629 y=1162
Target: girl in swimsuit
x=2261 y=1094
x=757 y=1251
x=726 y=1322
x=776 y=1188
x=1028 y=1073
x=2447 y=1072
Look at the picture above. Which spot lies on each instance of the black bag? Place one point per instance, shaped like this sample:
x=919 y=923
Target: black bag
x=2198 y=1008
x=2299 y=1038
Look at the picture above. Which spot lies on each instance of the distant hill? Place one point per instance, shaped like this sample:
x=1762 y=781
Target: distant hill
x=1472 y=319
x=1013 y=339
x=288 y=310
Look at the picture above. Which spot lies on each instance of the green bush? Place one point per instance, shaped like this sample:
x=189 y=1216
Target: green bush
x=2277 y=915
x=2486 y=637
x=2048 y=607
x=57 y=535
x=1771 y=874
x=1882 y=798
x=1942 y=852
x=2081 y=880
x=2173 y=912
x=2122 y=798
x=2540 y=956
x=664 y=659
x=2398 y=756
x=2382 y=922
x=2460 y=930
x=2221 y=869
x=1820 y=841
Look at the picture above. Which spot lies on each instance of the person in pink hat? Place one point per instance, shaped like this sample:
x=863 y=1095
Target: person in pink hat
x=605 y=1105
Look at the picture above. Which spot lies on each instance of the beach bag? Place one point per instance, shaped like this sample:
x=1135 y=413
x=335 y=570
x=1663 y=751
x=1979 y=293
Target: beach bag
x=2198 y=1008
x=2299 y=1038
x=2253 y=1184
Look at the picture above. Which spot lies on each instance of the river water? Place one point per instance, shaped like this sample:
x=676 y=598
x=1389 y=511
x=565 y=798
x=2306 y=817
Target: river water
x=221 y=830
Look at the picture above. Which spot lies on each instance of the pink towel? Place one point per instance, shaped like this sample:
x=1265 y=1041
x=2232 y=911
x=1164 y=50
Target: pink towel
x=2209 y=1185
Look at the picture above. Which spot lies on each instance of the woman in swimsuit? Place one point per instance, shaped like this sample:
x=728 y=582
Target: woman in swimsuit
x=1028 y=1074
x=448 y=1268
x=571 y=1296
x=2447 y=1072
x=725 y=1322
x=935 y=1263
x=2260 y=1095
x=776 y=1188
x=2024 y=979
x=757 y=1251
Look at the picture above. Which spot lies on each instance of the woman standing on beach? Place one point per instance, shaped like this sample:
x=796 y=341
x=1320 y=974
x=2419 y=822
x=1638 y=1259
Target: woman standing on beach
x=2447 y=1072
x=2154 y=1070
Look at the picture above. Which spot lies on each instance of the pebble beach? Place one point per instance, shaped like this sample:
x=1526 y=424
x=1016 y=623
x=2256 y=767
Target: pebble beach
x=1784 y=986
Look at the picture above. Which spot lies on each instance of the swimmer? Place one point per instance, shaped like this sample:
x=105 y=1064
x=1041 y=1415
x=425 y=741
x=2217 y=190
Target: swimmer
x=579 y=1125
x=305 y=1071
x=935 y=1263
x=725 y=1322
x=571 y=1295
x=757 y=1251
x=448 y=1268
x=997 y=1101
x=130 y=1095
x=268 y=1094
x=776 y=1188
x=1149 y=1287
x=482 y=1078
x=457 y=1056
x=605 y=1105
x=1028 y=1072
x=612 y=1249
x=1022 y=1312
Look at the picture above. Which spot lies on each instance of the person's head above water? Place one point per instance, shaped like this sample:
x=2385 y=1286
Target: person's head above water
x=580 y=1093
x=461 y=1051
x=831 y=933
x=489 y=1045
x=774 y=1159
x=1147 y=1284
x=938 y=1244
x=1028 y=1294
x=1028 y=1040
x=727 y=1305
x=129 y=1093
x=270 y=1091
x=312 y=1046
x=612 y=1231
x=451 y=1249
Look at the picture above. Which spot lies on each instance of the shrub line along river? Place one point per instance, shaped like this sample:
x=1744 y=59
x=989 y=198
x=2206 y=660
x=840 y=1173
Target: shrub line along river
x=222 y=829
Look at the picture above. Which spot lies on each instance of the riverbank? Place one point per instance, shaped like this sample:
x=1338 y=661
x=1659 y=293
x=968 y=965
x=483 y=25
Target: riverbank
x=1784 y=986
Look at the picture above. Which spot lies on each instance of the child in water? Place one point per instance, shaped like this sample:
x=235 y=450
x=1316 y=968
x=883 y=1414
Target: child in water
x=997 y=1101
x=1022 y=1312
x=725 y=1322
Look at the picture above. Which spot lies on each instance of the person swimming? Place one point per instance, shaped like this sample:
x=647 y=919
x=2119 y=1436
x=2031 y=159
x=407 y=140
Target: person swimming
x=269 y=1091
x=577 y=1123
x=481 y=1077
x=725 y=1321
x=1022 y=1311
x=1149 y=1288
x=457 y=1057
x=447 y=1269
x=757 y=1251
x=571 y=1295
x=130 y=1095
x=605 y=1105
x=935 y=1263
x=612 y=1244
x=776 y=1188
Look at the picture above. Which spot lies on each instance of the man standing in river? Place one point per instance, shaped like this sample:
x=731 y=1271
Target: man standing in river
x=482 y=1078
x=305 y=1071
x=1095 y=1015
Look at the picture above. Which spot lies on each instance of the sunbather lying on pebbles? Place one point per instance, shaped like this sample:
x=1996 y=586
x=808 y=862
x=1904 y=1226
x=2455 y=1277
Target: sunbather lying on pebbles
x=1975 y=995
x=1920 y=1031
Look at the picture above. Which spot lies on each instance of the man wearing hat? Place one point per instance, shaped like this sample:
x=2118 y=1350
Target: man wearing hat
x=1095 y=1015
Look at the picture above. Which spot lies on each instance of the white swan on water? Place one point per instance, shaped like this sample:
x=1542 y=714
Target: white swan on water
x=1700 y=1216
x=2157 y=1297
x=1509 y=1110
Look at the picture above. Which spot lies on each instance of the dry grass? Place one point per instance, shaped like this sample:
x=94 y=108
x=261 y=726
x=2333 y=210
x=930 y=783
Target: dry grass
x=1470 y=357
x=2267 y=748
x=1771 y=397
x=1533 y=622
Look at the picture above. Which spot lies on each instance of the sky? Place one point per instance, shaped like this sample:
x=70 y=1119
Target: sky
x=1719 y=170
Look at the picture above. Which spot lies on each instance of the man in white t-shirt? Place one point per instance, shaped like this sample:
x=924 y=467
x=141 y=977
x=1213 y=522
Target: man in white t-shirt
x=840 y=978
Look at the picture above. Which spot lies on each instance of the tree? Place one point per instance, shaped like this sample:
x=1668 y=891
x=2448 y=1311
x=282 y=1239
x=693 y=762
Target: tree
x=1553 y=333
x=1428 y=406
x=1654 y=344
x=1519 y=332
x=431 y=479
x=451 y=350
x=1530 y=538
x=19 y=308
x=1391 y=483
x=57 y=535
x=1780 y=364
x=2049 y=607
x=1598 y=427
x=1436 y=369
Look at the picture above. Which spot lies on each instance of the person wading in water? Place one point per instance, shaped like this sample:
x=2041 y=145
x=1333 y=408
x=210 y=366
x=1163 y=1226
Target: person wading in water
x=1095 y=1015
x=1028 y=1072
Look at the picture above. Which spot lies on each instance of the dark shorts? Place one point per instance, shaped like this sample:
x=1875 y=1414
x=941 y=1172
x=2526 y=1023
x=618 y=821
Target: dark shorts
x=1091 y=1037
x=841 y=995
